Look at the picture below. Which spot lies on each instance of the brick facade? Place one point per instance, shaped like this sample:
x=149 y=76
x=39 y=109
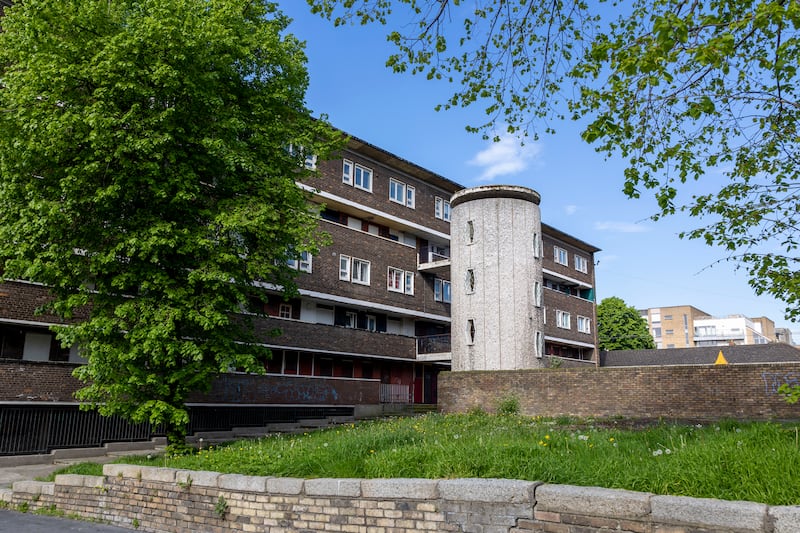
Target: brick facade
x=30 y=381
x=744 y=392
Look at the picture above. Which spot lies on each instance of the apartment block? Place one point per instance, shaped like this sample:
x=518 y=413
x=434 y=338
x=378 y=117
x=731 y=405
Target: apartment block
x=686 y=326
x=374 y=304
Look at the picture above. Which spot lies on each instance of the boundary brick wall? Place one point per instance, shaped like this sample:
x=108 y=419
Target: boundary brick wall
x=164 y=499
x=708 y=392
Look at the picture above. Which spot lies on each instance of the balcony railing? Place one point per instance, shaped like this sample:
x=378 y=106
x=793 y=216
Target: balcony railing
x=395 y=393
x=433 y=344
x=431 y=254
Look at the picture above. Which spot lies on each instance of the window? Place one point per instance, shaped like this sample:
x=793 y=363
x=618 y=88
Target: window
x=470 y=281
x=372 y=323
x=584 y=324
x=669 y=332
x=363 y=178
x=354 y=269
x=470 y=331
x=395 y=280
x=309 y=161
x=351 y=319
x=441 y=290
x=656 y=332
x=581 y=264
x=539 y=344
x=344 y=267
x=537 y=294
x=560 y=256
x=409 y=283
x=304 y=264
x=442 y=209
x=356 y=175
x=562 y=319
x=667 y=317
x=360 y=271
x=470 y=232
x=401 y=193
x=347 y=172
x=537 y=245
x=285 y=311
x=400 y=281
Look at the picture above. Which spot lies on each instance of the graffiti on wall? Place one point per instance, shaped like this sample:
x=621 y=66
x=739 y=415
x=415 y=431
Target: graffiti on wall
x=288 y=391
x=773 y=381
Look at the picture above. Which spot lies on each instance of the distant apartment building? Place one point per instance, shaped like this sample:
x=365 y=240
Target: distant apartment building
x=686 y=326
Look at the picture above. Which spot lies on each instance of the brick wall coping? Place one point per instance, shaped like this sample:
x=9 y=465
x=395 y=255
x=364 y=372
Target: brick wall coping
x=152 y=498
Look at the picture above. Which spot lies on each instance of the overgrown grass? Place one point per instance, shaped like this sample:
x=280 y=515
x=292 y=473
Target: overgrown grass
x=730 y=460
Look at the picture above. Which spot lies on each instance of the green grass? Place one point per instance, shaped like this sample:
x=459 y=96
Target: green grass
x=728 y=460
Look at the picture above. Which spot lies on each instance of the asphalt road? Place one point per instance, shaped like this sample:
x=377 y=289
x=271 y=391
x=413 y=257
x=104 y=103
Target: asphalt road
x=14 y=522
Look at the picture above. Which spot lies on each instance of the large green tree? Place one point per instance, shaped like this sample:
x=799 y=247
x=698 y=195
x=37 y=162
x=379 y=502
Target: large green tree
x=703 y=90
x=148 y=157
x=620 y=327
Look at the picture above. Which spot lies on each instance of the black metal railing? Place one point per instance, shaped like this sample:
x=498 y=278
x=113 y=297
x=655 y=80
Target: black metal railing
x=37 y=429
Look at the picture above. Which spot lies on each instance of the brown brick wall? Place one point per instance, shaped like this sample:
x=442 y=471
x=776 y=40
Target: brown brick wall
x=20 y=300
x=330 y=181
x=35 y=381
x=553 y=301
x=269 y=389
x=686 y=392
x=566 y=270
x=53 y=382
x=304 y=335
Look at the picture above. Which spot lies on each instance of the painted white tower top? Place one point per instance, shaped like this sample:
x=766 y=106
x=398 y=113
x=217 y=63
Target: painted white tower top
x=496 y=276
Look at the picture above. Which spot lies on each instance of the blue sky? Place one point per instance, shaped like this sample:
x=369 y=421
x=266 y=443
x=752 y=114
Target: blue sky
x=642 y=262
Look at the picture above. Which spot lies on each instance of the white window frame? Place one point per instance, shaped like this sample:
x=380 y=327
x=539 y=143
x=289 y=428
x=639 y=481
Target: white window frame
x=557 y=253
x=442 y=290
x=395 y=279
x=442 y=209
x=471 y=331
x=347 y=171
x=537 y=246
x=305 y=262
x=469 y=281
x=360 y=174
x=537 y=293
x=344 y=267
x=372 y=323
x=397 y=191
x=584 y=324
x=409 y=283
x=411 y=197
x=563 y=320
x=360 y=271
x=402 y=193
x=539 y=344
x=285 y=311
x=351 y=319
x=581 y=264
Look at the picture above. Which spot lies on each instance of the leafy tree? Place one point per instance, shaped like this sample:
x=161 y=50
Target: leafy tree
x=681 y=90
x=146 y=176
x=620 y=327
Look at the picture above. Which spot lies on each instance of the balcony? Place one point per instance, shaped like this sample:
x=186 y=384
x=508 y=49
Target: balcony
x=434 y=259
x=434 y=348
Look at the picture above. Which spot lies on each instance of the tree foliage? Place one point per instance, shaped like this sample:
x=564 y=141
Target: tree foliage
x=683 y=91
x=620 y=327
x=145 y=178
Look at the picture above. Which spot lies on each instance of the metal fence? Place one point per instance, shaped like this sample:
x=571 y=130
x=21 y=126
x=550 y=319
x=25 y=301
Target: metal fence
x=32 y=429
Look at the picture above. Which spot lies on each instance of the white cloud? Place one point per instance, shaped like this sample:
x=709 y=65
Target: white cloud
x=621 y=227
x=504 y=157
x=570 y=209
